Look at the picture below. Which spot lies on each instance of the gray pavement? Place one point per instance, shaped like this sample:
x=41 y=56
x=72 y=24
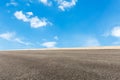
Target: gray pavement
x=60 y=65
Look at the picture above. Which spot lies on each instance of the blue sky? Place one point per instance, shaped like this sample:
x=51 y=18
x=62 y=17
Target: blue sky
x=27 y=24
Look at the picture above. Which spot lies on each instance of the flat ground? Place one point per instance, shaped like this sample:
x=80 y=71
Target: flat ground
x=60 y=65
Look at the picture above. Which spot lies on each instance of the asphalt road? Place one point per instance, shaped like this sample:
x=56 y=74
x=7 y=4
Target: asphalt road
x=60 y=65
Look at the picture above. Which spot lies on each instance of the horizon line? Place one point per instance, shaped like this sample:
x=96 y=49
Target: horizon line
x=74 y=48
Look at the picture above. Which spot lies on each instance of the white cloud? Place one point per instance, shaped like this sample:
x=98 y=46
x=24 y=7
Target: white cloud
x=45 y=2
x=63 y=4
x=49 y=44
x=29 y=14
x=19 y=15
x=91 y=42
x=11 y=36
x=34 y=21
x=7 y=35
x=22 y=42
x=116 y=32
x=12 y=2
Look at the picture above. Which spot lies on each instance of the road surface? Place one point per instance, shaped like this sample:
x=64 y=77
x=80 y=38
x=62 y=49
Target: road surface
x=60 y=65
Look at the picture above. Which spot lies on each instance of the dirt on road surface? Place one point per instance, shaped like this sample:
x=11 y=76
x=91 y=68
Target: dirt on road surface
x=60 y=65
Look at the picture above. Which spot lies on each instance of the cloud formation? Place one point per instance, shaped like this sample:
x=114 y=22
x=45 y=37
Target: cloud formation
x=7 y=35
x=116 y=32
x=46 y=2
x=12 y=2
x=63 y=4
x=49 y=44
x=11 y=36
x=20 y=16
x=34 y=21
